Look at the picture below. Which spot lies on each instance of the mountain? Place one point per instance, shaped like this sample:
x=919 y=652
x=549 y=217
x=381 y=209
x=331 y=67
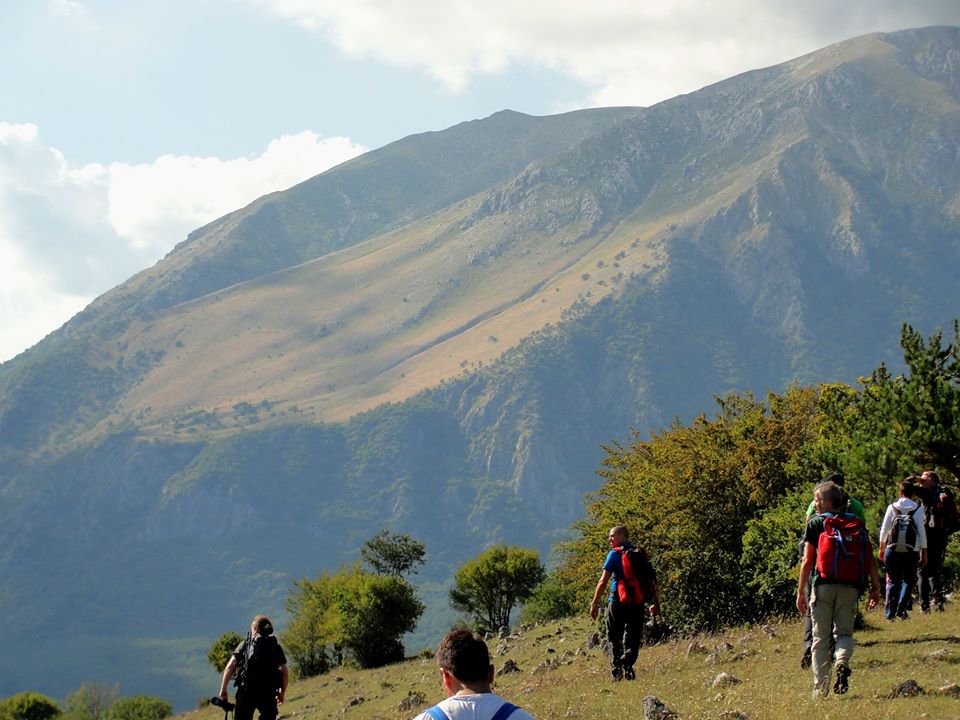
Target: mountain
x=439 y=336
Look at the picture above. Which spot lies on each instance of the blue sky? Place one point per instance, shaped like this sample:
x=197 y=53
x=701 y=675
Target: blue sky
x=125 y=124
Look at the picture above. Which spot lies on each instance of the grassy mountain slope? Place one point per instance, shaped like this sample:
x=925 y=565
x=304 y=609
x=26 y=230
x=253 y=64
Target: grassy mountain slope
x=438 y=336
x=560 y=677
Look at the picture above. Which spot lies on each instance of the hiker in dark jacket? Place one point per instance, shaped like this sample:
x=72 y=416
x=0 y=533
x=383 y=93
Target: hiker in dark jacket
x=624 y=621
x=939 y=509
x=265 y=692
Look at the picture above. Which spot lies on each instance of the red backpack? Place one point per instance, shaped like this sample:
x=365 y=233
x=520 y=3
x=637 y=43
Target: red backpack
x=635 y=586
x=842 y=550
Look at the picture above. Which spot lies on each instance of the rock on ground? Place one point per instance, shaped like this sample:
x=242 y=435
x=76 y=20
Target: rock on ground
x=724 y=679
x=908 y=688
x=653 y=709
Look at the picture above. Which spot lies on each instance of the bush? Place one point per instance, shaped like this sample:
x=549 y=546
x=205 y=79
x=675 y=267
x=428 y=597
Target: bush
x=771 y=554
x=352 y=613
x=28 y=706
x=553 y=599
x=139 y=707
x=90 y=701
x=493 y=583
x=222 y=649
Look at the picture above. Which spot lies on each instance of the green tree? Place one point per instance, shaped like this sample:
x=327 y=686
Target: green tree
x=492 y=584
x=222 y=648
x=393 y=553
x=771 y=553
x=309 y=637
x=374 y=611
x=28 y=706
x=90 y=701
x=688 y=493
x=923 y=407
x=139 y=707
x=351 y=614
x=551 y=600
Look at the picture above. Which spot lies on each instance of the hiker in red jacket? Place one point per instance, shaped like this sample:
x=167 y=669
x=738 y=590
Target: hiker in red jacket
x=837 y=549
x=625 y=614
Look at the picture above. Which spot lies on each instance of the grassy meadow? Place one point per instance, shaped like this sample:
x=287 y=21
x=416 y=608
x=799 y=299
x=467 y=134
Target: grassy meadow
x=560 y=678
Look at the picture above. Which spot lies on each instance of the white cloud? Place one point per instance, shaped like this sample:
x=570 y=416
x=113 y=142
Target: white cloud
x=634 y=53
x=72 y=12
x=68 y=233
x=154 y=206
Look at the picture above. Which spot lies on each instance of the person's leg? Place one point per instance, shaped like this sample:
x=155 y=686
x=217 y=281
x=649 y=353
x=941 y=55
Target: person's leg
x=844 y=612
x=895 y=580
x=633 y=626
x=889 y=601
x=614 y=624
x=927 y=573
x=911 y=563
x=267 y=707
x=936 y=556
x=244 y=707
x=806 y=658
x=821 y=609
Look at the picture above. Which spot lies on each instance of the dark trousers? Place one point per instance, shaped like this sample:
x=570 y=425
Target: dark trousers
x=901 y=576
x=931 y=574
x=624 y=631
x=247 y=702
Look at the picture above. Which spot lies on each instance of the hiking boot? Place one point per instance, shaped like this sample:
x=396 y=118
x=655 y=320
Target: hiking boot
x=629 y=674
x=617 y=674
x=843 y=675
x=940 y=606
x=807 y=659
x=903 y=615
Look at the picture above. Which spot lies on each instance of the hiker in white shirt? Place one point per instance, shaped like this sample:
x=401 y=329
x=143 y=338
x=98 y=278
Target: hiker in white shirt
x=903 y=548
x=467 y=674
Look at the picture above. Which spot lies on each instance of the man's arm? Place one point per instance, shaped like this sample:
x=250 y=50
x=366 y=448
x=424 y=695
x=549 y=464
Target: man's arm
x=655 y=605
x=874 y=582
x=284 y=677
x=809 y=554
x=227 y=674
x=598 y=593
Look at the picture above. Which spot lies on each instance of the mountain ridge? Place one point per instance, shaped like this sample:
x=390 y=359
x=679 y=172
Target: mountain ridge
x=465 y=366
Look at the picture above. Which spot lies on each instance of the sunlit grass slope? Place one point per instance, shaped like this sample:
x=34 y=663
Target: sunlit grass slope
x=560 y=678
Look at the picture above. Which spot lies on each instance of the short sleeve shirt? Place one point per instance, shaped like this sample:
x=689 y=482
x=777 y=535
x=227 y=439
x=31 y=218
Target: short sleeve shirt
x=476 y=706
x=614 y=563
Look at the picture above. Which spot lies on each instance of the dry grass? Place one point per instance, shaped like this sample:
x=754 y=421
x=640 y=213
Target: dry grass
x=765 y=659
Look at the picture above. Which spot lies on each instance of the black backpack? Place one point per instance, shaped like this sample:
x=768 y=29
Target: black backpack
x=258 y=669
x=902 y=536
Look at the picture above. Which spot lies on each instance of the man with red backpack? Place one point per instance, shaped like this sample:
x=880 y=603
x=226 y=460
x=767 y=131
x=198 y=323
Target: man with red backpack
x=837 y=549
x=634 y=586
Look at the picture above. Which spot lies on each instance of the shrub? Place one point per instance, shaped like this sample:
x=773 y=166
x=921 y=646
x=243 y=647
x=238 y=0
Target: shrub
x=553 y=599
x=28 y=706
x=139 y=707
x=222 y=649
